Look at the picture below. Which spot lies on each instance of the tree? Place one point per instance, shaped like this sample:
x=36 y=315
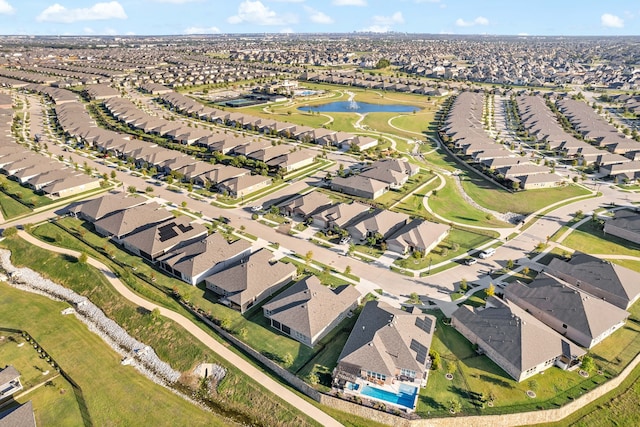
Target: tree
x=525 y=271
x=451 y=368
x=454 y=406
x=491 y=290
x=287 y=359
x=82 y=258
x=307 y=258
x=587 y=363
x=533 y=385
x=414 y=298
x=510 y=264
x=312 y=379
x=436 y=361
x=132 y=189
x=347 y=270
x=155 y=313
x=383 y=63
x=113 y=174
x=463 y=285
x=10 y=231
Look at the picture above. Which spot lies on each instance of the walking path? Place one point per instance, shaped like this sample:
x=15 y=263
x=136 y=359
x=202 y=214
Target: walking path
x=251 y=371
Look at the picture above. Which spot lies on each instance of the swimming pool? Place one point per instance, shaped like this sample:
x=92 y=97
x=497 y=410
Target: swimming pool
x=405 y=397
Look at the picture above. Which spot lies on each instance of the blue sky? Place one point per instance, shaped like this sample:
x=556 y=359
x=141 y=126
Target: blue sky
x=159 y=17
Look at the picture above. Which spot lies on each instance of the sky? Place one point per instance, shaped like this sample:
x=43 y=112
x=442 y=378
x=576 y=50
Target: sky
x=174 y=17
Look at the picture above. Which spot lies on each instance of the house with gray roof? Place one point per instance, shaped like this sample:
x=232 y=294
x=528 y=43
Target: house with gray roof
x=254 y=279
x=360 y=186
x=9 y=382
x=615 y=284
x=132 y=220
x=242 y=185
x=18 y=416
x=582 y=318
x=307 y=205
x=515 y=340
x=95 y=209
x=194 y=261
x=625 y=224
x=339 y=215
x=307 y=311
x=418 y=236
x=386 y=345
x=154 y=241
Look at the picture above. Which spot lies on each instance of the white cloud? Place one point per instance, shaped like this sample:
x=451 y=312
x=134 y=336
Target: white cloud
x=99 y=11
x=254 y=12
x=383 y=24
x=6 y=8
x=349 y=2
x=427 y=1
x=318 y=17
x=611 y=21
x=175 y=1
x=202 y=30
x=480 y=20
x=288 y=1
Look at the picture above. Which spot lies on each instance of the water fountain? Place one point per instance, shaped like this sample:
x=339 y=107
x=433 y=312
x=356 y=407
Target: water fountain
x=353 y=105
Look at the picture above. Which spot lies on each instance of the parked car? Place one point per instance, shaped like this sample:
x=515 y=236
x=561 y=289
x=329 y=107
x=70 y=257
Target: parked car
x=487 y=253
x=257 y=208
x=345 y=240
x=470 y=261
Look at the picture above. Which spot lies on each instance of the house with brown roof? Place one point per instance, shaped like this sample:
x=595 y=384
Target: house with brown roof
x=204 y=257
x=515 y=340
x=360 y=186
x=254 y=279
x=293 y=160
x=132 y=220
x=306 y=205
x=154 y=241
x=339 y=215
x=387 y=345
x=94 y=209
x=307 y=311
x=418 y=236
x=625 y=224
x=582 y=318
x=615 y=284
x=380 y=221
x=242 y=185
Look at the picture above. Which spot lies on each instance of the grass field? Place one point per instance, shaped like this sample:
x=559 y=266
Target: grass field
x=449 y=204
x=11 y=208
x=523 y=202
x=114 y=394
x=27 y=196
x=237 y=394
x=590 y=238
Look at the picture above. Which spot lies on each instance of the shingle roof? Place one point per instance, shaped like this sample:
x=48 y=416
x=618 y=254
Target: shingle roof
x=21 y=416
x=627 y=220
x=385 y=338
x=308 y=306
x=132 y=219
x=419 y=234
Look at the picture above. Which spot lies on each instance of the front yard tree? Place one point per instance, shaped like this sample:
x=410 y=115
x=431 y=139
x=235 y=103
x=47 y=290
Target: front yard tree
x=436 y=361
x=491 y=290
x=588 y=364
x=463 y=285
x=510 y=264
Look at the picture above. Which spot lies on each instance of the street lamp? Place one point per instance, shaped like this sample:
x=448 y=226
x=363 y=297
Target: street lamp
x=429 y=271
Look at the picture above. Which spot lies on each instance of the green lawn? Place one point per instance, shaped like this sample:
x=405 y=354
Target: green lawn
x=523 y=202
x=26 y=195
x=414 y=204
x=394 y=196
x=114 y=394
x=237 y=394
x=11 y=208
x=448 y=203
x=590 y=238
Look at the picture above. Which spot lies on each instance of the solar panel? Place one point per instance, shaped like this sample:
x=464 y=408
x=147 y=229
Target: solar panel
x=167 y=232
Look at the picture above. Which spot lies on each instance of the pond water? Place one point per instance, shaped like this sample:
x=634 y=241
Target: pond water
x=359 y=107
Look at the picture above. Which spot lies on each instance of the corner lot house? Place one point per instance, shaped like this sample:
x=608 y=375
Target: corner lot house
x=418 y=235
x=251 y=281
x=515 y=340
x=95 y=209
x=132 y=220
x=386 y=345
x=382 y=222
x=625 y=224
x=603 y=279
x=204 y=257
x=359 y=186
x=308 y=310
x=582 y=318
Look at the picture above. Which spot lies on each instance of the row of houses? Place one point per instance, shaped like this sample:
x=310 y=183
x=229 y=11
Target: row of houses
x=572 y=304
x=401 y=235
x=463 y=128
x=237 y=120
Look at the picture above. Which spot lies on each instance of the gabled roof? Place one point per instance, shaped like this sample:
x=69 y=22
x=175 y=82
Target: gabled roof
x=309 y=307
x=626 y=220
x=418 y=234
x=381 y=221
x=20 y=416
x=342 y=213
x=385 y=338
x=132 y=219
x=585 y=313
x=8 y=374
x=611 y=278
x=165 y=235
x=102 y=206
x=514 y=334
x=199 y=256
x=256 y=274
x=358 y=183
x=309 y=203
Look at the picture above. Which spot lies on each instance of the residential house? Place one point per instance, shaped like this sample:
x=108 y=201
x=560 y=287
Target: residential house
x=308 y=310
x=515 y=340
x=380 y=222
x=254 y=279
x=18 y=416
x=154 y=241
x=307 y=205
x=293 y=160
x=9 y=382
x=418 y=235
x=242 y=185
x=582 y=318
x=615 y=284
x=359 y=186
x=204 y=257
x=339 y=215
x=131 y=220
x=625 y=224
x=386 y=344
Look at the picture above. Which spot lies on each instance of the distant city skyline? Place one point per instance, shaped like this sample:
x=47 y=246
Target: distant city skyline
x=179 y=17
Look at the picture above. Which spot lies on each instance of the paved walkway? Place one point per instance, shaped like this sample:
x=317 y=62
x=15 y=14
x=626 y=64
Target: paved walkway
x=232 y=358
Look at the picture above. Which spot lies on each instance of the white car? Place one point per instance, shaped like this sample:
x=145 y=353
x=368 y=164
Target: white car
x=487 y=253
x=256 y=208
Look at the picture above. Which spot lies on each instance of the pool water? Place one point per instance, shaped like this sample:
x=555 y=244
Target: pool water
x=360 y=107
x=405 y=396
